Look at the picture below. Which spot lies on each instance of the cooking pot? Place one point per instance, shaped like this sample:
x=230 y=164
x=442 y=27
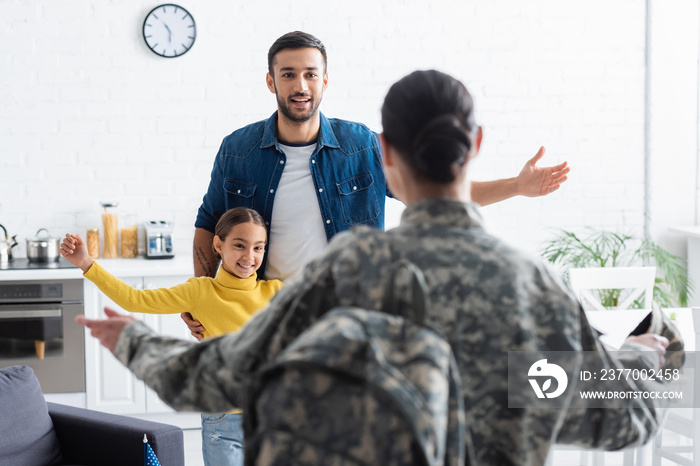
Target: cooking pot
x=6 y=245
x=43 y=249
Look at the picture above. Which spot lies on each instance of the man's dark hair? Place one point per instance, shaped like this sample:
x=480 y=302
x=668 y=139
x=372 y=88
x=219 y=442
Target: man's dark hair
x=295 y=40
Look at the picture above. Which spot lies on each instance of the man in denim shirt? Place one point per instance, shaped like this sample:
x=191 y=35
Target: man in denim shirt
x=309 y=176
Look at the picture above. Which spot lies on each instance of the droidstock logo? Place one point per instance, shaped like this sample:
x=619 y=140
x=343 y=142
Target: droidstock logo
x=542 y=370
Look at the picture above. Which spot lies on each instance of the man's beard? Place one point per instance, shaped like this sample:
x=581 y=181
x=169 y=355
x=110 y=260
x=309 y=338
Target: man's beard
x=296 y=117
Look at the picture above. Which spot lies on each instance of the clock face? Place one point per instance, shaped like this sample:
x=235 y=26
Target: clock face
x=169 y=30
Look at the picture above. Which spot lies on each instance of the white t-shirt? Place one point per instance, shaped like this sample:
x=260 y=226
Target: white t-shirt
x=297 y=234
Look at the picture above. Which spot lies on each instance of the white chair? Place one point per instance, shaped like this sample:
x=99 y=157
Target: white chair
x=638 y=282
x=683 y=424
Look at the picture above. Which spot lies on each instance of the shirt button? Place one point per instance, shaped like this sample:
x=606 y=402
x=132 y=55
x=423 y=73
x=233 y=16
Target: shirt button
x=267 y=223
x=282 y=162
x=272 y=190
x=328 y=221
x=320 y=190
x=354 y=188
x=313 y=161
x=239 y=191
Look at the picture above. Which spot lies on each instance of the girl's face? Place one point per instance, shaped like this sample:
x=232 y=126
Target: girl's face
x=243 y=249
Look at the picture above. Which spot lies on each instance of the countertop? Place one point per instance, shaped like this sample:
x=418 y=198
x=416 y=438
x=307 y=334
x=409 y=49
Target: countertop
x=692 y=231
x=138 y=267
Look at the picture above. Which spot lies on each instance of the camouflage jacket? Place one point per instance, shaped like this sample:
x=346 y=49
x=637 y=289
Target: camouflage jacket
x=487 y=297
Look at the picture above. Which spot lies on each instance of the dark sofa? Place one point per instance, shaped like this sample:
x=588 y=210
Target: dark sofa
x=33 y=432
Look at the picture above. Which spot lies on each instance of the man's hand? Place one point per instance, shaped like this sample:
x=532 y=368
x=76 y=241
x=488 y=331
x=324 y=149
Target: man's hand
x=532 y=181
x=655 y=342
x=536 y=181
x=196 y=328
x=108 y=330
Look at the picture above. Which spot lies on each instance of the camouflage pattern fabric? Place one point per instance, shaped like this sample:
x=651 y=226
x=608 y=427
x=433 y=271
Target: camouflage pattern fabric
x=485 y=296
x=359 y=387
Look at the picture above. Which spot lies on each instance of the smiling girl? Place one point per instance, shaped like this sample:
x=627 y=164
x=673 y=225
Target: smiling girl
x=222 y=304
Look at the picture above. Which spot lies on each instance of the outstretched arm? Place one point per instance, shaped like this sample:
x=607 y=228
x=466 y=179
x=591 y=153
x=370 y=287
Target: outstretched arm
x=74 y=248
x=614 y=424
x=210 y=376
x=205 y=265
x=213 y=375
x=153 y=301
x=532 y=181
x=107 y=331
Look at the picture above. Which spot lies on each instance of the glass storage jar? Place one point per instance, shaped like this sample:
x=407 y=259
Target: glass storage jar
x=93 y=243
x=110 y=224
x=129 y=235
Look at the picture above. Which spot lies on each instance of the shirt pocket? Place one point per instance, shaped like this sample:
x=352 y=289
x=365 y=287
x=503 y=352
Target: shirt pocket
x=358 y=199
x=239 y=193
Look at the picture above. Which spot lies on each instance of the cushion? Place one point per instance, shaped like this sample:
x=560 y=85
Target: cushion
x=26 y=431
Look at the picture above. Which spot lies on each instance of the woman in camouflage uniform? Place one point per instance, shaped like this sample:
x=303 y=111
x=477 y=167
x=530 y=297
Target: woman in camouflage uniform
x=487 y=297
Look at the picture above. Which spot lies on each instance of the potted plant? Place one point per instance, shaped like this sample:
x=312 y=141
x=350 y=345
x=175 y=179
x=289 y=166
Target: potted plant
x=608 y=249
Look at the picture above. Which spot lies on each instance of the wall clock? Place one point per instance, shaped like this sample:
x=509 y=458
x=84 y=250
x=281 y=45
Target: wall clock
x=169 y=30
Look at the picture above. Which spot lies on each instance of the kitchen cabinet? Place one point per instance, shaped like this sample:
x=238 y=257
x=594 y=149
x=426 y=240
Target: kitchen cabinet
x=111 y=387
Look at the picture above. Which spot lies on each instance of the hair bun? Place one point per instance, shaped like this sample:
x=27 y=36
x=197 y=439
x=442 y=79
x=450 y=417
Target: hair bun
x=428 y=117
x=444 y=135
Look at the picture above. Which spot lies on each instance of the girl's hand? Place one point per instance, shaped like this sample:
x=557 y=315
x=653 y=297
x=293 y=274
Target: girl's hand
x=74 y=249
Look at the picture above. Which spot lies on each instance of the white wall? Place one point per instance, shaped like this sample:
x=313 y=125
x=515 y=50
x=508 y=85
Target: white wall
x=674 y=119
x=89 y=113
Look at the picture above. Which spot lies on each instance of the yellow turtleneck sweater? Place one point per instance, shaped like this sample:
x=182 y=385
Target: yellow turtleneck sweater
x=222 y=304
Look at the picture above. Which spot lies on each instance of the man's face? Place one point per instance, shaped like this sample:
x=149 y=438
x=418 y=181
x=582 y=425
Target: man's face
x=299 y=82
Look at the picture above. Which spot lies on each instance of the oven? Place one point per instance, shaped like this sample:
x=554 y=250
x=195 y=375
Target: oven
x=38 y=329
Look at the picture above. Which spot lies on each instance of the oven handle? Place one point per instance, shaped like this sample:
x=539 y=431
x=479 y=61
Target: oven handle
x=30 y=313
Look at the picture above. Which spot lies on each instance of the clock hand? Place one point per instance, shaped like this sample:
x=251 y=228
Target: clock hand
x=170 y=34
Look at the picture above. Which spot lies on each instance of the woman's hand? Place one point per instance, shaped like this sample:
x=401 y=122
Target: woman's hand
x=655 y=342
x=107 y=330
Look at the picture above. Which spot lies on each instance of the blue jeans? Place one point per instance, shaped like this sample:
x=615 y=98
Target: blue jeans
x=222 y=439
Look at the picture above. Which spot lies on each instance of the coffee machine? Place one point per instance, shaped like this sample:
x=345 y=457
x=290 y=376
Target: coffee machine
x=159 y=239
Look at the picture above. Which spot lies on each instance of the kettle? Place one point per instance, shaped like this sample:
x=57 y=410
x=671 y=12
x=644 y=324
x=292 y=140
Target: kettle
x=6 y=246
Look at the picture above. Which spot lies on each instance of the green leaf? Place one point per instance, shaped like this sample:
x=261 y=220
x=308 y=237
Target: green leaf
x=600 y=248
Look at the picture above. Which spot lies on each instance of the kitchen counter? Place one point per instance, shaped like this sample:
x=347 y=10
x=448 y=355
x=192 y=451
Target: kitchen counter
x=688 y=230
x=692 y=234
x=179 y=265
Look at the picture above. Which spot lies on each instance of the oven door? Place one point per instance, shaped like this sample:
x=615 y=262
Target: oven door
x=46 y=338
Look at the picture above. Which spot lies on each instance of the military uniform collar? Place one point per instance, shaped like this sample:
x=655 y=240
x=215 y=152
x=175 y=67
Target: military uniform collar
x=443 y=213
x=326 y=137
x=227 y=280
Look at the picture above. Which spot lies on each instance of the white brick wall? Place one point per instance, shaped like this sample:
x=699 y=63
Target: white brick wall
x=89 y=113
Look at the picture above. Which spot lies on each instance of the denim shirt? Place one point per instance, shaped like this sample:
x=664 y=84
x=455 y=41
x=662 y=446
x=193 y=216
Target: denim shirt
x=346 y=168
